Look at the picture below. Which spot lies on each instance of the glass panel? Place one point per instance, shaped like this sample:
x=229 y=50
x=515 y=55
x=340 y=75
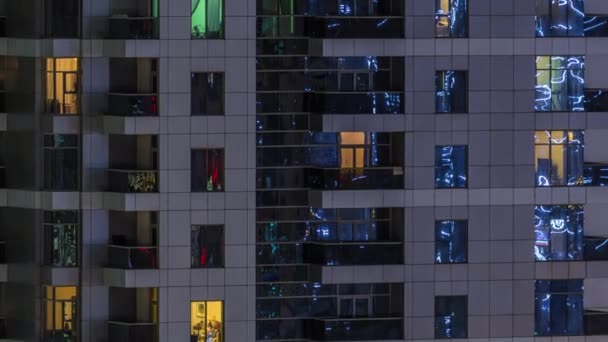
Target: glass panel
x=451 y=317
x=207 y=170
x=451 y=167
x=207 y=19
x=559 y=233
x=560 y=83
x=450 y=241
x=62 y=85
x=206 y=321
x=207 y=94
x=207 y=246
x=559 y=307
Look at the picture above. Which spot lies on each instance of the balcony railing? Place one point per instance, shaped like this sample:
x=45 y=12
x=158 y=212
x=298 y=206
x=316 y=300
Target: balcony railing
x=595 y=248
x=369 y=102
x=123 y=104
x=595 y=174
x=128 y=181
x=356 y=329
x=129 y=332
x=353 y=253
x=125 y=27
x=356 y=27
x=596 y=100
x=357 y=179
x=596 y=322
x=132 y=257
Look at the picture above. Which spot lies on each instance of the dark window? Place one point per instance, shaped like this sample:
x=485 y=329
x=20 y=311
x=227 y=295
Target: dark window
x=207 y=170
x=61 y=162
x=60 y=238
x=451 y=317
x=559 y=158
x=451 y=91
x=559 y=232
x=207 y=246
x=560 y=18
x=207 y=97
x=559 y=307
x=451 y=167
x=451 y=18
x=62 y=18
x=450 y=242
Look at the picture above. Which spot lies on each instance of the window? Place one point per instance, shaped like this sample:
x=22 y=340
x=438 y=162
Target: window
x=558 y=156
x=207 y=19
x=62 y=18
x=559 y=232
x=451 y=167
x=207 y=170
x=60 y=313
x=207 y=246
x=62 y=85
x=451 y=18
x=559 y=307
x=61 y=162
x=451 y=317
x=560 y=18
x=207 y=97
x=207 y=321
x=450 y=242
x=560 y=83
x=60 y=238
x=451 y=91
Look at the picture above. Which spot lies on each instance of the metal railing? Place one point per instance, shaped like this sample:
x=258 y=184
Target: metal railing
x=125 y=27
x=353 y=253
x=126 y=104
x=356 y=178
x=129 y=332
x=132 y=257
x=128 y=181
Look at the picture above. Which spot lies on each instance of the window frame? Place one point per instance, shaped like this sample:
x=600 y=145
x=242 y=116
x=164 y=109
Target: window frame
x=202 y=229
x=465 y=317
x=222 y=170
x=567 y=162
x=448 y=15
x=206 y=320
x=222 y=92
x=223 y=22
x=465 y=80
x=48 y=246
x=465 y=239
x=466 y=163
x=46 y=182
x=75 y=303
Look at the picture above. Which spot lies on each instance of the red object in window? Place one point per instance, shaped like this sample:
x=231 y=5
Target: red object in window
x=154 y=106
x=203 y=257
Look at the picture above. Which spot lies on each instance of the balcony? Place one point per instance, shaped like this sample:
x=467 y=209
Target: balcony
x=353 y=253
x=595 y=322
x=356 y=178
x=131 y=257
x=367 y=102
x=595 y=174
x=595 y=248
x=133 y=181
x=596 y=100
x=128 y=332
x=332 y=27
x=125 y=104
x=355 y=329
x=127 y=27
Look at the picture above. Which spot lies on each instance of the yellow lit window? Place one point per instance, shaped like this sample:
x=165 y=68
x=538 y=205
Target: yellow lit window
x=62 y=85
x=352 y=151
x=60 y=304
x=207 y=321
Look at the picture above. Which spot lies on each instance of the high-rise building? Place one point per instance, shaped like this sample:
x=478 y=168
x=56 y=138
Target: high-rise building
x=303 y=170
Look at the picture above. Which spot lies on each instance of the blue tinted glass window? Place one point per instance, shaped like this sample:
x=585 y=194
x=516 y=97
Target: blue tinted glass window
x=451 y=317
x=450 y=241
x=559 y=158
x=560 y=18
x=559 y=307
x=560 y=83
x=559 y=232
x=451 y=167
x=451 y=18
x=451 y=91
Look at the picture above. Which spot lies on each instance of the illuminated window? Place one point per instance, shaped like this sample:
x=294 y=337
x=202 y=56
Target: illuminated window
x=207 y=246
x=559 y=307
x=451 y=167
x=560 y=18
x=207 y=170
x=60 y=238
x=207 y=19
x=450 y=242
x=558 y=156
x=207 y=93
x=352 y=150
x=451 y=91
x=559 y=232
x=207 y=321
x=62 y=85
x=451 y=317
x=60 y=313
x=451 y=18
x=560 y=84
x=61 y=162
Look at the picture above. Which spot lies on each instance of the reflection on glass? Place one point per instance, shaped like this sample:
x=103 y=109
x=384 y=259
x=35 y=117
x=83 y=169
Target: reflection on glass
x=207 y=170
x=451 y=18
x=207 y=244
x=560 y=18
x=207 y=19
x=559 y=158
x=207 y=321
x=61 y=162
x=450 y=241
x=60 y=304
x=560 y=83
x=559 y=232
x=450 y=317
x=559 y=307
x=62 y=85
x=451 y=91
x=61 y=233
x=451 y=167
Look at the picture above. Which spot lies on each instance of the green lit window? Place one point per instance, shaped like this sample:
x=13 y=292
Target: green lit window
x=207 y=19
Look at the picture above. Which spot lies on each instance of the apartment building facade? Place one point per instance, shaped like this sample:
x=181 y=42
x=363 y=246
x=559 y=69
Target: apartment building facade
x=303 y=170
